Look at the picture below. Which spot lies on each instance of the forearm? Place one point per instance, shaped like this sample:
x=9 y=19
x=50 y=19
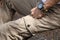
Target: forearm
x=50 y=3
x=57 y=1
x=46 y=4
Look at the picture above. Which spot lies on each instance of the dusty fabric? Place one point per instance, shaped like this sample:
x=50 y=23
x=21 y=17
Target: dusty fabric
x=16 y=30
x=47 y=35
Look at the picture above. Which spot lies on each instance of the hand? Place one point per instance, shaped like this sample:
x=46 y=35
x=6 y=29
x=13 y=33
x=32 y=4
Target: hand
x=50 y=3
x=36 y=13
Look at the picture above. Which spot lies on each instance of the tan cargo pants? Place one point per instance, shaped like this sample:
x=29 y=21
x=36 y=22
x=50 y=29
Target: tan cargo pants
x=27 y=26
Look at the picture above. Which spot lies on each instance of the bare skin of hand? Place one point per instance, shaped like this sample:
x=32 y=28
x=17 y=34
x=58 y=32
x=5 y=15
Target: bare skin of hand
x=36 y=13
x=50 y=3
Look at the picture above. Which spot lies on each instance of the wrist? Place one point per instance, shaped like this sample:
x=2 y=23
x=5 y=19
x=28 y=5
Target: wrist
x=50 y=3
x=41 y=6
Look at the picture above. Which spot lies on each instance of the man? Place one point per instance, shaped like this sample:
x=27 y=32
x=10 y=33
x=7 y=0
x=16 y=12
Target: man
x=27 y=26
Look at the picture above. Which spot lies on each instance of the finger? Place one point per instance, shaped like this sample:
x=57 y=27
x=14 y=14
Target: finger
x=32 y=13
x=37 y=17
x=33 y=9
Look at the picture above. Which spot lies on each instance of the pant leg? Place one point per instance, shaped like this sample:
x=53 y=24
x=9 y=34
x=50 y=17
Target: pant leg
x=24 y=6
x=16 y=30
